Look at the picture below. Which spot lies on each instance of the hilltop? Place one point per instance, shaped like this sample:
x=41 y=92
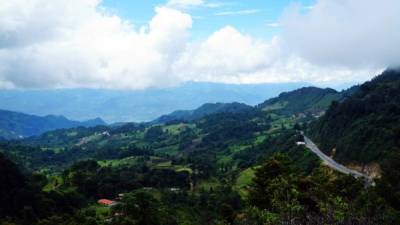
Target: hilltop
x=311 y=100
x=204 y=110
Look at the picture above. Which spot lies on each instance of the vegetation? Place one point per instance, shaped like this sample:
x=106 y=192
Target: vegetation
x=238 y=167
x=304 y=100
x=366 y=126
x=202 y=111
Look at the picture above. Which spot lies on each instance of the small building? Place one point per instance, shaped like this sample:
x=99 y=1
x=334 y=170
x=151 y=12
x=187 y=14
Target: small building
x=120 y=196
x=106 y=202
x=300 y=143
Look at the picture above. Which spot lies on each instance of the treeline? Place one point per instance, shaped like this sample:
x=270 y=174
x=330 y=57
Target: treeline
x=366 y=126
x=95 y=182
x=36 y=158
x=283 y=195
x=24 y=202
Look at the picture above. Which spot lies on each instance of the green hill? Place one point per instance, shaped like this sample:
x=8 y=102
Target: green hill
x=17 y=125
x=304 y=100
x=366 y=126
x=204 y=110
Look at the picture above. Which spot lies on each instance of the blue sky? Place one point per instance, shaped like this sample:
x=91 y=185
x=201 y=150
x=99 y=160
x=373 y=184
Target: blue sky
x=254 y=17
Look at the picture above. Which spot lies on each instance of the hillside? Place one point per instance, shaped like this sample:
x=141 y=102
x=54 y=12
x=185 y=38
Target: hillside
x=311 y=100
x=17 y=125
x=204 y=110
x=366 y=126
x=220 y=162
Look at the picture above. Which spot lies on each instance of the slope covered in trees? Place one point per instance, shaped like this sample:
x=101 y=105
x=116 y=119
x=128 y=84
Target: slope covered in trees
x=304 y=100
x=204 y=110
x=366 y=126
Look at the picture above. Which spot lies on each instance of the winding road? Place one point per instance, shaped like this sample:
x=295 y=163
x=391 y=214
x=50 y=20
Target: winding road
x=332 y=163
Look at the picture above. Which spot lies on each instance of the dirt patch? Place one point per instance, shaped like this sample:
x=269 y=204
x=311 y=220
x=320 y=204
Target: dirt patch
x=373 y=170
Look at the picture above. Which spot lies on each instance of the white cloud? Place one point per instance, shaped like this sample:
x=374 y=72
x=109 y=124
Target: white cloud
x=233 y=57
x=351 y=33
x=86 y=47
x=80 y=44
x=239 y=12
x=227 y=52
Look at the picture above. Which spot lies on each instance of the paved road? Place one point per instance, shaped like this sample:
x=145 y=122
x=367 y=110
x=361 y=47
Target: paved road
x=332 y=163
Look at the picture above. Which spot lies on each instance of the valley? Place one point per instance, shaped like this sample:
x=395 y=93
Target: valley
x=199 y=112
x=223 y=163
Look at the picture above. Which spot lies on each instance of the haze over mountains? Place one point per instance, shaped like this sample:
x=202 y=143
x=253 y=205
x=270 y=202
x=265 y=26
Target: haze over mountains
x=135 y=106
x=14 y=125
x=130 y=105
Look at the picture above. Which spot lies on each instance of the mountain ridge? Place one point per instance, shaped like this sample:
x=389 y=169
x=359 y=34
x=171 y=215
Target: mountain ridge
x=202 y=111
x=312 y=100
x=134 y=105
x=14 y=125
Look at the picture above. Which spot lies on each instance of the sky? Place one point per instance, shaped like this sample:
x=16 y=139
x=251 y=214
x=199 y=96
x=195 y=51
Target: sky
x=130 y=44
x=259 y=18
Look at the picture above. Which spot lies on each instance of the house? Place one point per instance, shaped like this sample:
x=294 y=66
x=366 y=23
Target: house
x=106 y=202
x=300 y=143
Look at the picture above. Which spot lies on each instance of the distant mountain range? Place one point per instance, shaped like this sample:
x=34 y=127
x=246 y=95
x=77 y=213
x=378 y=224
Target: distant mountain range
x=135 y=106
x=141 y=105
x=15 y=125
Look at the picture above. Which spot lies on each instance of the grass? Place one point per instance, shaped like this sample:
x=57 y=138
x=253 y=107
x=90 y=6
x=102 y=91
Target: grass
x=169 y=150
x=101 y=211
x=176 y=129
x=168 y=165
x=163 y=165
x=259 y=139
x=118 y=162
x=244 y=180
x=238 y=148
x=209 y=184
x=180 y=168
x=72 y=134
x=55 y=149
x=91 y=138
x=53 y=184
x=282 y=122
x=276 y=106
x=225 y=159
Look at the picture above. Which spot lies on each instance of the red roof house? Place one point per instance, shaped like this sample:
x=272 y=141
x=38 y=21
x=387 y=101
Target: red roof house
x=106 y=202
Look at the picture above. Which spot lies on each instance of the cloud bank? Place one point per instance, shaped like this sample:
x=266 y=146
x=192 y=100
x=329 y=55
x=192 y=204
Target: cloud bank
x=346 y=32
x=78 y=43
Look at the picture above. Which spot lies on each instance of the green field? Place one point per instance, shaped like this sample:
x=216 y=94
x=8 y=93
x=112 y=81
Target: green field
x=244 y=180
